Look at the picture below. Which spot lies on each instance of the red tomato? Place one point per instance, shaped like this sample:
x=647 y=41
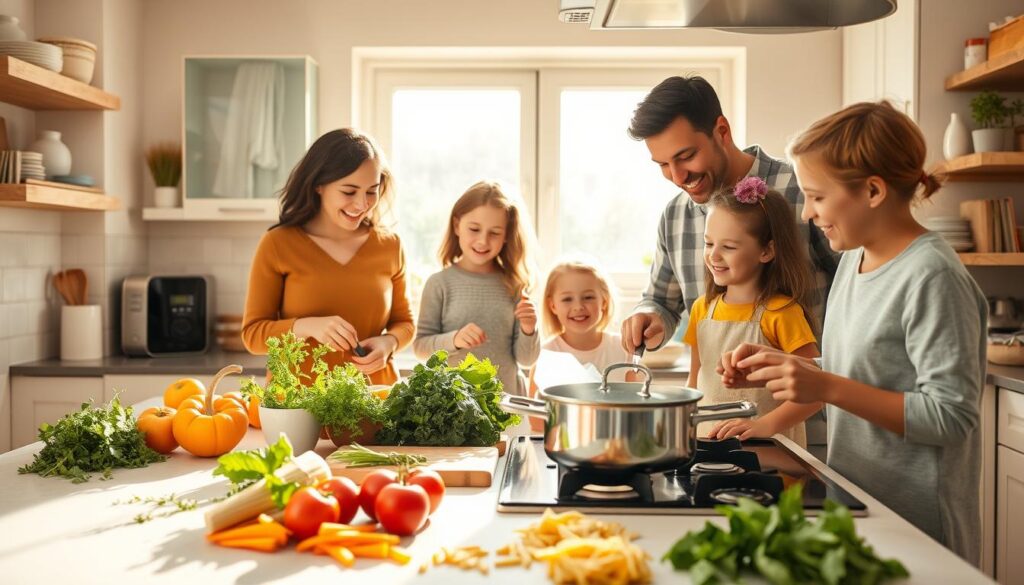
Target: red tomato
x=402 y=509
x=346 y=492
x=430 y=481
x=307 y=509
x=371 y=485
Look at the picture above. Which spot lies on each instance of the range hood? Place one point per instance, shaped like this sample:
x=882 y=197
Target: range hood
x=750 y=16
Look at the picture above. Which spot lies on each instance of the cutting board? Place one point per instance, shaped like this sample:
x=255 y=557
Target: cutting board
x=457 y=466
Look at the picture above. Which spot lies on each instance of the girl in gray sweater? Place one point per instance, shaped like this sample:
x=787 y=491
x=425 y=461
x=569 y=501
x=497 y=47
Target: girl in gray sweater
x=903 y=347
x=478 y=302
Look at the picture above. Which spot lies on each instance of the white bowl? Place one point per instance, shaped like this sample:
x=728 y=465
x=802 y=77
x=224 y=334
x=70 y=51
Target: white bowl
x=666 y=357
x=78 y=68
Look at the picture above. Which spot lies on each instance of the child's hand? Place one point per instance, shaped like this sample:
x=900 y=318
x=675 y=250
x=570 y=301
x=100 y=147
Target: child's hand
x=744 y=428
x=732 y=375
x=470 y=336
x=526 y=312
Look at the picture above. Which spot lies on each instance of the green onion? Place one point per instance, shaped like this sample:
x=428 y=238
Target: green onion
x=359 y=456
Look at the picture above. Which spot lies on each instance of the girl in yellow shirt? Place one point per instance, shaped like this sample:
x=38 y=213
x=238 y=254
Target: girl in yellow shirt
x=758 y=284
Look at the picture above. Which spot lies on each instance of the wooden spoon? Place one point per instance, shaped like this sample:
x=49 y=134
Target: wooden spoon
x=79 y=285
x=63 y=286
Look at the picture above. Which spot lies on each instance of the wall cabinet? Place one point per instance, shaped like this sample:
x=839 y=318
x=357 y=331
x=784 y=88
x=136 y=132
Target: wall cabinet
x=246 y=122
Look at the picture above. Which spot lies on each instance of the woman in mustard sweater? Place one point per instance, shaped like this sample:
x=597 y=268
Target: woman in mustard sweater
x=328 y=271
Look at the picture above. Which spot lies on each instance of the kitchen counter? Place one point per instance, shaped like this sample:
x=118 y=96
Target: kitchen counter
x=1009 y=377
x=57 y=531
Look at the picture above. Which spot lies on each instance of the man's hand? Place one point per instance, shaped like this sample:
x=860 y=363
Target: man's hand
x=646 y=328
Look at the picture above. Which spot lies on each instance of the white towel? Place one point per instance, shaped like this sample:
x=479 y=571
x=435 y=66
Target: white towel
x=253 y=132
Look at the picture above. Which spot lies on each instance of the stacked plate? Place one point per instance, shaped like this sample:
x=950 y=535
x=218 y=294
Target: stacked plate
x=41 y=54
x=79 y=57
x=32 y=166
x=955 y=230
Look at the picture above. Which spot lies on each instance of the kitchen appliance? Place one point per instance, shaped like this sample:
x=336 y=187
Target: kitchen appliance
x=622 y=427
x=720 y=472
x=1003 y=316
x=166 y=315
x=751 y=16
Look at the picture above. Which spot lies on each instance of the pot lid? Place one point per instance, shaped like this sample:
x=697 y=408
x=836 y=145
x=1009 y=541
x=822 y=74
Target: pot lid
x=621 y=394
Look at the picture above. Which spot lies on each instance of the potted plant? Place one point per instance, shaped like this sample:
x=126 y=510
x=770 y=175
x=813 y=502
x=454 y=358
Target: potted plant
x=348 y=407
x=283 y=402
x=990 y=112
x=164 y=161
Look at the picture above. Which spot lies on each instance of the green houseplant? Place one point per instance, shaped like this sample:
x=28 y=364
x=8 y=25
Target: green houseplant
x=347 y=407
x=990 y=112
x=164 y=162
x=1017 y=109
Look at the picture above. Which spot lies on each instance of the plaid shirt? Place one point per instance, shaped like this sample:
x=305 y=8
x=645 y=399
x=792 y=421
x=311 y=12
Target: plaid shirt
x=677 y=274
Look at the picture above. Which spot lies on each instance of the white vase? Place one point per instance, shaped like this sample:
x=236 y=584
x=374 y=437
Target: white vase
x=56 y=156
x=956 y=141
x=165 y=197
x=989 y=139
x=9 y=29
x=301 y=428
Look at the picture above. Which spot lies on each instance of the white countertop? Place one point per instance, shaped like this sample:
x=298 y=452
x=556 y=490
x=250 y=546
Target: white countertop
x=55 y=531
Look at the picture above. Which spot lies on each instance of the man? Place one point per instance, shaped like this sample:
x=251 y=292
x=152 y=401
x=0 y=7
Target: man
x=682 y=124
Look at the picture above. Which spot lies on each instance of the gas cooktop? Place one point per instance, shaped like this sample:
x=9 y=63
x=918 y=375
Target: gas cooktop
x=720 y=472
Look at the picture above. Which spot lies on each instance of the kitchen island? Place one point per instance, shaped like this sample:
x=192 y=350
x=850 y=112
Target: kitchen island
x=55 y=531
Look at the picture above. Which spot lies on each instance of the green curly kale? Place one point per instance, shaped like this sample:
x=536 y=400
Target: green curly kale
x=443 y=405
x=784 y=546
x=92 y=439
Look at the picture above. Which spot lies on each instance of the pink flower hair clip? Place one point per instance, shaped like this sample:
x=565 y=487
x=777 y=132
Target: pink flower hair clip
x=751 y=190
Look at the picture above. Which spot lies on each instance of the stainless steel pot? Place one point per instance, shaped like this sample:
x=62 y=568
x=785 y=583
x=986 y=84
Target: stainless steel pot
x=622 y=426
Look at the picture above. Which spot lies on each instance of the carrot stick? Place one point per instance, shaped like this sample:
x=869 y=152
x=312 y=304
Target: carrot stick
x=250 y=531
x=258 y=544
x=334 y=527
x=342 y=555
x=378 y=550
x=399 y=555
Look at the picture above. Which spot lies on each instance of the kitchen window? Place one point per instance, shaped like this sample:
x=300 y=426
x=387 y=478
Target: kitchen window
x=554 y=135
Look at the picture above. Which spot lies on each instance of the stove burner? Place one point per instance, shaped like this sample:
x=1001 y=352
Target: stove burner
x=599 y=484
x=711 y=467
x=732 y=495
x=607 y=489
x=602 y=492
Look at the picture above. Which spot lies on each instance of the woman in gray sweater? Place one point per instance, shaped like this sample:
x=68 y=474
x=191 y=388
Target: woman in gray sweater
x=903 y=344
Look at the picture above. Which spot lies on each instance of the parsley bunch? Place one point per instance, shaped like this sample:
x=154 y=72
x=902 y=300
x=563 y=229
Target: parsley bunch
x=447 y=406
x=92 y=439
x=345 y=401
x=289 y=386
x=782 y=545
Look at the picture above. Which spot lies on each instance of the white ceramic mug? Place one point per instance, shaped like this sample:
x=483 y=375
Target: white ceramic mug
x=81 y=332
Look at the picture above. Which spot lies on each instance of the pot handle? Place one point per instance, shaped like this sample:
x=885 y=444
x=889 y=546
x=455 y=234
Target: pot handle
x=645 y=391
x=746 y=408
x=524 y=405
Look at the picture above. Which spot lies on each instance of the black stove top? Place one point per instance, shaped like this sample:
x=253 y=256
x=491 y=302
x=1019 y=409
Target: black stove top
x=720 y=472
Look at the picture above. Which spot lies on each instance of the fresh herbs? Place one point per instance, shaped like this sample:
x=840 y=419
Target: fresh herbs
x=244 y=468
x=444 y=405
x=359 y=456
x=345 y=402
x=289 y=386
x=781 y=544
x=90 y=440
x=171 y=501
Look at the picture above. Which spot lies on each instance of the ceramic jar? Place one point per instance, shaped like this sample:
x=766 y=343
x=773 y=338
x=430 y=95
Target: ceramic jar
x=56 y=156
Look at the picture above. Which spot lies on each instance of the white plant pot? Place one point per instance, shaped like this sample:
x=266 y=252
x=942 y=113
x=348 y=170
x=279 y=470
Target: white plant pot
x=989 y=139
x=956 y=141
x=56 y=156
x=165 y=197
x=301 y=428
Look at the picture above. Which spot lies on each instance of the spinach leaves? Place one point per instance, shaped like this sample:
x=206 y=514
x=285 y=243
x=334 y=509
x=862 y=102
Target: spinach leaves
x=782 y=545
x=446 y=406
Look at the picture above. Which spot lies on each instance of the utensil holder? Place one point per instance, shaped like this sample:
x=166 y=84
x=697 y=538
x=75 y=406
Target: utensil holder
x=81 y=332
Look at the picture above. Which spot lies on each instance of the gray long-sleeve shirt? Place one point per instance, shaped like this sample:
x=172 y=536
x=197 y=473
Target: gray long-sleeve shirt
x=454 y=298
x=914 y=325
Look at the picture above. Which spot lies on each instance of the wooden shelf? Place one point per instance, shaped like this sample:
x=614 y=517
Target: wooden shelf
x=983 y=166
x=55 y=198
x=1008 y=259
x=1005 y=72
x=29 y=86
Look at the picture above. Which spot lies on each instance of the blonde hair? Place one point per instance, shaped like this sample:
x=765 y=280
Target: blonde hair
x=551 y=325
x=870 y=139
x=513 y=260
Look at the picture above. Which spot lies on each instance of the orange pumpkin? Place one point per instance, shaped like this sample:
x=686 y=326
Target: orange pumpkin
x=211 y=427
x=181 y=390
x=254 y=412
x=155 y=423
